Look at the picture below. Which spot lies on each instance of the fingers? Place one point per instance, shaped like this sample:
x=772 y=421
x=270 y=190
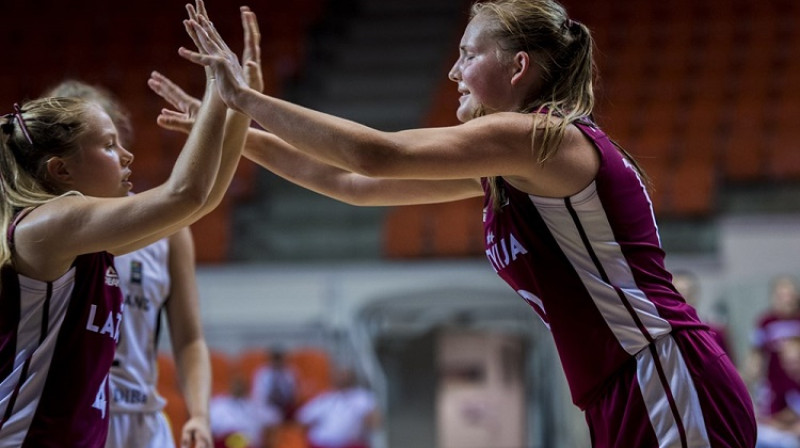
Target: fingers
x=201 y=8
x=212 y=32
x=200 y=14
x=252 y=36
x=197 y=58
x=172 y=93
x=192 y=33
x=174 y=121
x=207 y=43
x=192 y=12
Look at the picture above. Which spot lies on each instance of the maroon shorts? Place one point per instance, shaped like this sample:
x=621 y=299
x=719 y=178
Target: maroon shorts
x=681 y=391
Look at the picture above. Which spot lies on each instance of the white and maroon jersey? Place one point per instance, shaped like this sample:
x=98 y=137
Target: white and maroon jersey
x=57 y=343
x=591 y=265
x=145 y=282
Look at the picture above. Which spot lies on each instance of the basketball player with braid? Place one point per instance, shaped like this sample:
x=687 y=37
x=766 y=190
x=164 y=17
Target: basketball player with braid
x=567 y=218
x=66 y=211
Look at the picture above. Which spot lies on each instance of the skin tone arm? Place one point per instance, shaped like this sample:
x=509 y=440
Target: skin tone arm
x=283 y=159
x=188 y=343
x=497 y=144
x=53 y=234
x=236 y=124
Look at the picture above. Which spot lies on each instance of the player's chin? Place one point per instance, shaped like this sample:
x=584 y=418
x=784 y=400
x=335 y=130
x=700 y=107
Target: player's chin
x=464 y=114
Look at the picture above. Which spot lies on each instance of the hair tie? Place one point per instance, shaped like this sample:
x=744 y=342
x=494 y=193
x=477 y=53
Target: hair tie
x=17 y=115
x=569 y=25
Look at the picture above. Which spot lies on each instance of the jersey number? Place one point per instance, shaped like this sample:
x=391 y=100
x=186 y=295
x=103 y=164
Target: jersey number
x=100 y=401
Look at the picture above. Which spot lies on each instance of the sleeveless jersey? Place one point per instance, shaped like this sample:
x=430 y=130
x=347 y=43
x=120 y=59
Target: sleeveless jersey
x=145 y=282
x=592 y=267
x=57 y=342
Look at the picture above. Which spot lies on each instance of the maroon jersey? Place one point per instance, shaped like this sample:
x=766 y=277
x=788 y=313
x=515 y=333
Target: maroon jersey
x=591 y=265
x=57 y=342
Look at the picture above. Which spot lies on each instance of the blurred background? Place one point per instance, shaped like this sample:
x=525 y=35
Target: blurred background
x=703 y=92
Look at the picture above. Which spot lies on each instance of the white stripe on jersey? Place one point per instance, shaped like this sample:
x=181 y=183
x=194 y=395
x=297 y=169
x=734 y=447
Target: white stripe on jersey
x=598 y=230
x=32 y=301
x=681 y=387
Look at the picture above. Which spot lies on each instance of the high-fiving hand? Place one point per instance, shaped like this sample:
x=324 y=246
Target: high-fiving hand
x=182 y=119
x=214 y=53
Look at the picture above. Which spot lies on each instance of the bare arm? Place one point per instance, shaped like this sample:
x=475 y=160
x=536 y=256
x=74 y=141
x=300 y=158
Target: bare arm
x=55 y=233
x=188 y=343
x=499 y=144
x=286 y=161
x=236 y=124
x=283 y=159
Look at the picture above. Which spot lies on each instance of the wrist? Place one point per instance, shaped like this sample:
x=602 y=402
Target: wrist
x=240 y=98
x=203 y=416
x=235 y=100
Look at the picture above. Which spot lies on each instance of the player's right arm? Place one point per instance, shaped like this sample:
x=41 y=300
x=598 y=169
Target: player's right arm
x=278 y=156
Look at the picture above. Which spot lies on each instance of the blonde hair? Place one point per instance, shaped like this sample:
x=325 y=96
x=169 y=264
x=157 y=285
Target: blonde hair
x=563 y=50
x=119 y=115
x=55 y=125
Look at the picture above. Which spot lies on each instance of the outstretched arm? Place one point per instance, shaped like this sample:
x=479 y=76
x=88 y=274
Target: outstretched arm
x=286 y=161
x=498 y=144
x=283 y=159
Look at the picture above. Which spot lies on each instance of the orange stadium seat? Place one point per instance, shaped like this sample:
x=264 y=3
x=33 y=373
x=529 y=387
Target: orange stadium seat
x=313 y=370
x=404 y=232
x=457 y=230
x=222 y=372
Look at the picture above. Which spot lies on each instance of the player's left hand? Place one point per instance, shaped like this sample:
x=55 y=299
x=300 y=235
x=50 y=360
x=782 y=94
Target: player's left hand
x=196 y=434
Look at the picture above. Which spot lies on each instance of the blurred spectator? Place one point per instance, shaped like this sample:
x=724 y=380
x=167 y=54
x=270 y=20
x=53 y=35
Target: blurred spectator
x=238 y=422
x=688 y=286
x=275 y=385
x=781 y=429
x=274 y=388
x=343 y=417
x=763 y=369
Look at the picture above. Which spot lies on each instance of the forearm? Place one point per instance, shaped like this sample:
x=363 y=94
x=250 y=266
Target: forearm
x=198 y=163
x=332 y=140
x=277 y=156
x=194 y=372
x=236 y=126
x=274 y=154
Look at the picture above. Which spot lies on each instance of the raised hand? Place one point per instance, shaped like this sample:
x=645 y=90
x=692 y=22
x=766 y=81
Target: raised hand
x=182 y=119
x=251 y=56
x=214 y=53
x=186 y=106
x=196 y=434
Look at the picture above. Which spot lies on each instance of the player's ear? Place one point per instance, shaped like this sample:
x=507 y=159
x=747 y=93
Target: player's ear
x=520 y=67
x=58 y=171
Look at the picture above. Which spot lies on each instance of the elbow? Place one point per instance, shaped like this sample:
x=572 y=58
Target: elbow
x=190 y=199
x=375 y=163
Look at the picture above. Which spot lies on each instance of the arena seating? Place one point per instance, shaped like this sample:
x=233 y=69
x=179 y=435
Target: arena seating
x=703 y=94
x=313 y=373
